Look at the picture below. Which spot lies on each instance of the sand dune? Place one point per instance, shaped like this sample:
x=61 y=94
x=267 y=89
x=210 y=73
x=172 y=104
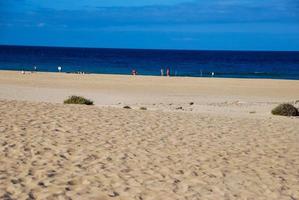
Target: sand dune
x=200 y=138
x=55 y=151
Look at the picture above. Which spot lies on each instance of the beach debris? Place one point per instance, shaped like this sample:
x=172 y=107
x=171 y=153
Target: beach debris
x=143 y=108
x=191 y=103
x=42 y=184
x=113 y=194
x=252 y=112
x=285 y=110
x=127 y=107
x=51 y=174
x=179 y=108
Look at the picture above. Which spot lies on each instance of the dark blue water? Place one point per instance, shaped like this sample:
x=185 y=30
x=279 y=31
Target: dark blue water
x=238 y=64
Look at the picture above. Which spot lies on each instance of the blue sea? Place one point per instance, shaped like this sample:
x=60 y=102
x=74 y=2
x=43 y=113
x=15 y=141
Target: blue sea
x=226 y=64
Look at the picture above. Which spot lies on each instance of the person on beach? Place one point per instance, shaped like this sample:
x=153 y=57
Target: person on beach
x=167 y=72
x=59 y=68
x=162 y=72
x=134 y=72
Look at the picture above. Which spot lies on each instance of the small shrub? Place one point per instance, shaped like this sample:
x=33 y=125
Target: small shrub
x=143 y=108
x=127 y=107
x=78 y=100
x=285 y=110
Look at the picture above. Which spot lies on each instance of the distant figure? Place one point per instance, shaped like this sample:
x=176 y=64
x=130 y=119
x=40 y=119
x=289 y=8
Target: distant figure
x=167 y=72
x=213 y=74
x=134 y=72
x=59 y=68
x=35 y=68
x=162 y=72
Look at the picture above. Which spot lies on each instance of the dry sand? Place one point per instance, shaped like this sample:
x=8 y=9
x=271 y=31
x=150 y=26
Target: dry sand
x=209 y=95
x=214 y=149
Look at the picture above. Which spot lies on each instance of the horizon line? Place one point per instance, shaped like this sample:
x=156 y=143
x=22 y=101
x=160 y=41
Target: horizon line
x=149 y=49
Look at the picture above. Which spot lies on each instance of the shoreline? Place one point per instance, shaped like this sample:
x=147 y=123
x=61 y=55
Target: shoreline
x=150 y=75
x=142 y=76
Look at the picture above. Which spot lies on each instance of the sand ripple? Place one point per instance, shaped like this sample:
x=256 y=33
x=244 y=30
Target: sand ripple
x=53 y=151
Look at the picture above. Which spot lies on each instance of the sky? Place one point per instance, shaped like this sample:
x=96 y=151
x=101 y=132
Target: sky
x=152 y=24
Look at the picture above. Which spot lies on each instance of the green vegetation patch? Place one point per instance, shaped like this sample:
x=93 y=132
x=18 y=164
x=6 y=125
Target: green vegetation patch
x=78 y=100
x=285 y=110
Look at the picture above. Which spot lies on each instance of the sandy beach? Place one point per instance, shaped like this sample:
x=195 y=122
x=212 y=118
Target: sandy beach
x=200 y=138
x=209 y=95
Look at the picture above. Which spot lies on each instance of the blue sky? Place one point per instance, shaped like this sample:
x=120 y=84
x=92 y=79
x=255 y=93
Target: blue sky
x=173 y=24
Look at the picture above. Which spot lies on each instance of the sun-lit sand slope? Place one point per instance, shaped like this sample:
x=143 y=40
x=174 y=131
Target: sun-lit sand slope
x=55 y=151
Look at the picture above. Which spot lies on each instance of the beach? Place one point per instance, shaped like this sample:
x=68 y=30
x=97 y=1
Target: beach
x=200 y=138
x=208 y=95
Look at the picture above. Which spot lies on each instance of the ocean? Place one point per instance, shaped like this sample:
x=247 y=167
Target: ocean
x=224 y=64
